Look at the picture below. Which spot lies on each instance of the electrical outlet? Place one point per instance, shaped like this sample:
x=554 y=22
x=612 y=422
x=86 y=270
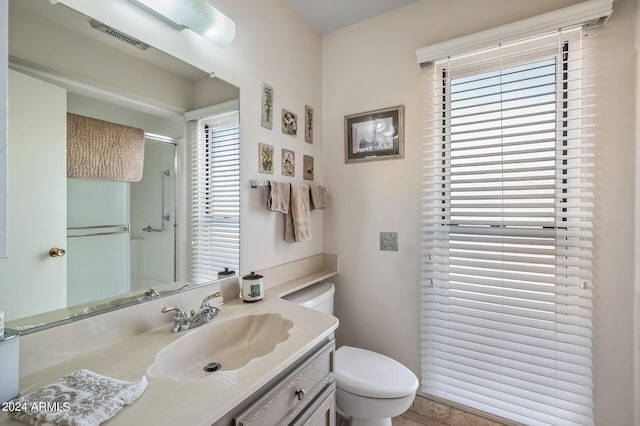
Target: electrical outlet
x=389 y=241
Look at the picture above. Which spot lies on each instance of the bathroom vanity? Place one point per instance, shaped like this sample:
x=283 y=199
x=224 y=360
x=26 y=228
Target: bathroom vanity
x=282 y=372
x=305 y=395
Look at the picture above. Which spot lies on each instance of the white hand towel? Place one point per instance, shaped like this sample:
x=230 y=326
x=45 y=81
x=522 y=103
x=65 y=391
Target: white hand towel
x=82 y=398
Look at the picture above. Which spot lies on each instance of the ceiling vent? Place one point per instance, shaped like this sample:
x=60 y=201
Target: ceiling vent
x=118 y=34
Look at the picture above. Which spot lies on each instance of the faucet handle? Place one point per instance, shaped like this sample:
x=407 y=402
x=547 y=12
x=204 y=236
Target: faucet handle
x=179 y=311
x=180 y=318
x=205 y=302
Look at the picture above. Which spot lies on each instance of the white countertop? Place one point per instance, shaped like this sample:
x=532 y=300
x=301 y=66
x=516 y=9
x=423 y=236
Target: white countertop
x=199 y=402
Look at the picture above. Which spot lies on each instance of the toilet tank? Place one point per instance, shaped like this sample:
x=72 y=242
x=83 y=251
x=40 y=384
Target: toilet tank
x=317 y=296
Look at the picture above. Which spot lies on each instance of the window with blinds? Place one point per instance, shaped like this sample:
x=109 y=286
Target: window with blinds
x=215 y=196
x=506 y=322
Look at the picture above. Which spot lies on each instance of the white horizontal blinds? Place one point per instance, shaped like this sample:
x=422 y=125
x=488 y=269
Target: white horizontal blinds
x=506 y=232
x=215 y=186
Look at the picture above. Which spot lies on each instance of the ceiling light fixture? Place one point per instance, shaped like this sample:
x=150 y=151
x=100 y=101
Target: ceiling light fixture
x=197 y=15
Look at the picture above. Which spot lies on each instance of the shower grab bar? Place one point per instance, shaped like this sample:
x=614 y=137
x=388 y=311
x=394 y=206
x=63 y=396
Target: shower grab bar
x=124 y=229
x=163 y=217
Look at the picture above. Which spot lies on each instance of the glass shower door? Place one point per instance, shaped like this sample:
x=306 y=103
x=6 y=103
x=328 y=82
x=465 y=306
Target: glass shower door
x=153 y=218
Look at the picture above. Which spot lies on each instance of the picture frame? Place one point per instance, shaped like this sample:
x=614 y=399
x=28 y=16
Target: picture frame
x=288 y=167
x=289 y=123
x=265 y=158
x=308 y=124
x=266 y=118
x=307 y=167
x=374 y=135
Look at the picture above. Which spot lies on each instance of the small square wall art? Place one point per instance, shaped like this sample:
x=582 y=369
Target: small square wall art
x=288 y=162
x=289 y=122
x=265 y=158
x=308 y=124
x=267 y=106
x=307 y=167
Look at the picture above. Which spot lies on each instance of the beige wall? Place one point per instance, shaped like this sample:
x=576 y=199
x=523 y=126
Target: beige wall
x=274 y=45
x=372 y=65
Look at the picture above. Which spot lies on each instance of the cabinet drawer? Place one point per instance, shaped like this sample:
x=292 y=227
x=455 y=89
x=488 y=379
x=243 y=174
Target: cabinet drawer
x=295 y=392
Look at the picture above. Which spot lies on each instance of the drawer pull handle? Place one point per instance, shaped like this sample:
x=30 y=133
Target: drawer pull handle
x=301 y=394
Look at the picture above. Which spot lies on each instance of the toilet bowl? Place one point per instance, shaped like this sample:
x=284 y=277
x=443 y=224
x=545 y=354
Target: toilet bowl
x=370 y=387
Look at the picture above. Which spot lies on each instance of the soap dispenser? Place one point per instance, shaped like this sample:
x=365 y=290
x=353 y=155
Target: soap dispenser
x=9 y=368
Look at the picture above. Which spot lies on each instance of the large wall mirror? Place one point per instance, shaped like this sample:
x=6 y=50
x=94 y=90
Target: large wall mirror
x=78 y=246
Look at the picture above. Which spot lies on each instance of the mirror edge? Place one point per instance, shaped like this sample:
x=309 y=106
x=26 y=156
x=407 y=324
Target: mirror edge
x=4 y=119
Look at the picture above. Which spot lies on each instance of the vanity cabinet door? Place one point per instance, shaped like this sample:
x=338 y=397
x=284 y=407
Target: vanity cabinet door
x=300 y=389
x=322 y=412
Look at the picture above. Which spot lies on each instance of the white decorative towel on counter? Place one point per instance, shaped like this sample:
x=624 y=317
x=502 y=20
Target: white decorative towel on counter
x=82 y=398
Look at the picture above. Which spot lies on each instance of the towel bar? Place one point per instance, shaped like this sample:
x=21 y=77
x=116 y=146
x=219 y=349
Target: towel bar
x=108 y=230
x=254 y=183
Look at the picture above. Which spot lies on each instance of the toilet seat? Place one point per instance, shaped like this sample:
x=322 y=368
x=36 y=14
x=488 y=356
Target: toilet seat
x=370 y=374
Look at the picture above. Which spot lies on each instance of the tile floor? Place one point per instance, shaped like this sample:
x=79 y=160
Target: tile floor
x=428 y=412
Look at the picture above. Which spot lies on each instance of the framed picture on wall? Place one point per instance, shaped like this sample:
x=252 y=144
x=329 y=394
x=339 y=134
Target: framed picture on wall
x=266 y=119
x=288 y=162
x=374 y=135
x=289 y=123
x=265 y=158
x=307 y=166
x=308 y=124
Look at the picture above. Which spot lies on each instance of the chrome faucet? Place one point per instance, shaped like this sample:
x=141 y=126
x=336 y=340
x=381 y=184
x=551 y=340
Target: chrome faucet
x=180 y=319
x=205 y=314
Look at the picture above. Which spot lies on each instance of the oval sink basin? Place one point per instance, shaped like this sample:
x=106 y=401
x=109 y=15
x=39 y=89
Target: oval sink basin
x=231 y=343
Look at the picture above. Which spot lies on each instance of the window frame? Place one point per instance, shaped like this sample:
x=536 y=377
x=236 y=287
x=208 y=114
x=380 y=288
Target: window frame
x=438 y=209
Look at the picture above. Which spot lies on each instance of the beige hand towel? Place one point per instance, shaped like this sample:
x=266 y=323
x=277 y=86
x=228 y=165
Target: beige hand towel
x=278 y=196
x=82 y=398
x=298 y=220
x=318 y=197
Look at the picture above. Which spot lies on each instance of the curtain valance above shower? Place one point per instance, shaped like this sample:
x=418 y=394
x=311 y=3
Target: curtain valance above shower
x=98 y=149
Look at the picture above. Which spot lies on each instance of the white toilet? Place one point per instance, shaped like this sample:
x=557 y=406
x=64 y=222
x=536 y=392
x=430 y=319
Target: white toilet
x=371 y=388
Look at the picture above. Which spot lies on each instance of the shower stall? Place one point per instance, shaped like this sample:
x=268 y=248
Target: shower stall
x=121 y=237
x=153 y=217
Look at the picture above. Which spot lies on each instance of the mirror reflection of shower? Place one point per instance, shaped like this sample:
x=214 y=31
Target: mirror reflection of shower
x=153 y=216
x=163 y=217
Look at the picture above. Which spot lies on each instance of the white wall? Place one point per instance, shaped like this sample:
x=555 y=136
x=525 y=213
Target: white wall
x=372 y=65
x=33 y=38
